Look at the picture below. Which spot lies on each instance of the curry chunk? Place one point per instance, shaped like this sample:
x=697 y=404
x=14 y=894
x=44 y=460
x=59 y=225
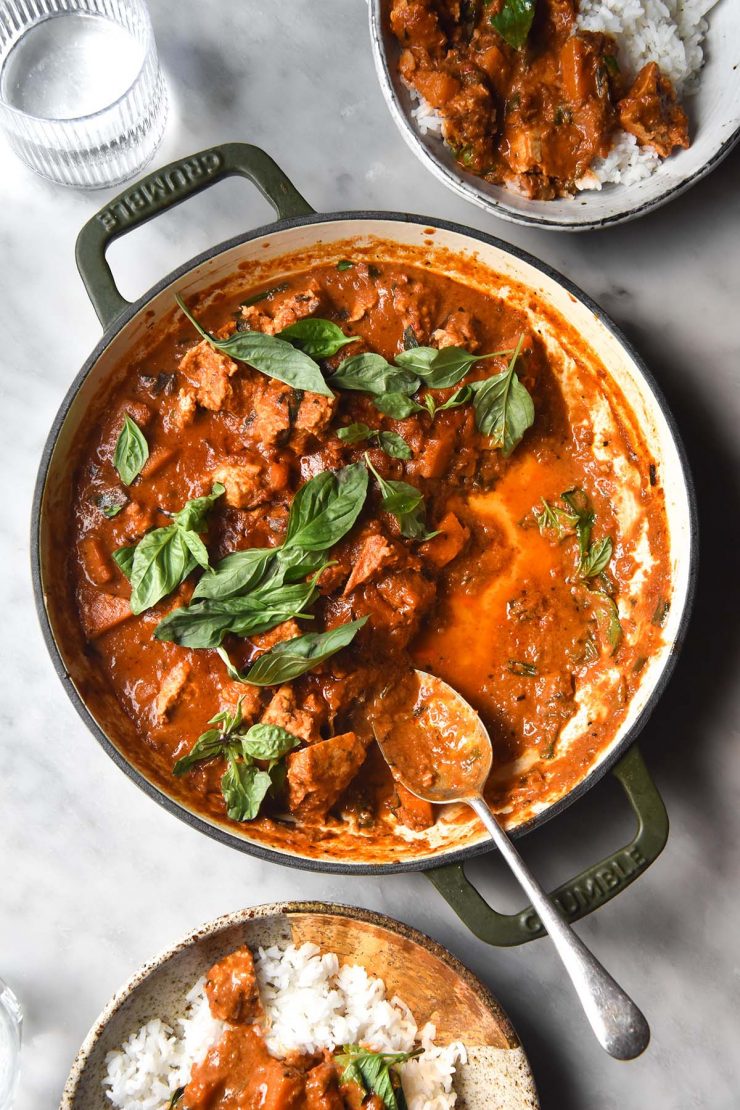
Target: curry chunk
x=172 y=689
x=413 y=812
x=447 y=545
x=207 y=373
x=651 y=112
x=231 y=989
x=244 y=482
x=273 y=406
x=319 y=774
x=459 y=330
x=375 y=555
x=322 y=1088
x=302 y=721
x=100 y=612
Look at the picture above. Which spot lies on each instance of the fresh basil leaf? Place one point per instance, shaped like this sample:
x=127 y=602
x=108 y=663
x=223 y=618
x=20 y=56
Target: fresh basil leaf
x=131 y=451
x=318 y=338
x=244 y=788
x=276 y=358
x=166 y=556
x=265 y=295
x=326 y=508
x=291 y=658
x=582 y=516
x=203 y=624
x=371 y=373
x=503 y=407
x=460 y=397
x=268 y=742
x=237 y=573
x=607 y=620
x=450 y=365
x=397 y=405
x=344 y=264
x=208 y=745
x=193 y=514
x=162 y=560
x=514 y=21
x=394 y=445
x=595 y=560
x=124 y=559
x=406 y=503
x=175 y=1099
x=552 y=520
x=355 y=433
x=372 y=1072
x=417 y=360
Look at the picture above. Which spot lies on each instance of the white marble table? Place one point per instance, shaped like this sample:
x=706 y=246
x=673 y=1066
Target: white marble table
x=95 y=878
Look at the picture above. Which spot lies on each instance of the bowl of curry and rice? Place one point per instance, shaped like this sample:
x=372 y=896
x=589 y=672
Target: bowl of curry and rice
x=565 y=114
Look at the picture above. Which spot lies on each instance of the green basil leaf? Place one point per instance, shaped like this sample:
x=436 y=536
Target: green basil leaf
x=276 y=358
x=595 y=560
x=318 y=338
x=394 y=445
x=288 y=660
x=237 y=573
x=203 y=624
x=162 y=560
x=450 y=365
x=514 y=21
x=372 y=1072
x=397 y=405
x=581 y=517
x=176 y=1096
x=196 y=547
x=460 y=397
x=371 y=373
x=355 y=433
x=503 y=407
x=131 y=451
x=417 y=360
x=193 y=514
x=344 y=264
x=244 y=788
x=326 y=508
x=406 y=503
x=208 y=745
x=124 y=559
x=268 y=742
x=265 y=295
x=607 y=620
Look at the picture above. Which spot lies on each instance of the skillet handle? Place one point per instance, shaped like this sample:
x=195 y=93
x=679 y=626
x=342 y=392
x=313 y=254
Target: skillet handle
x=163 y=189
x=594 y=887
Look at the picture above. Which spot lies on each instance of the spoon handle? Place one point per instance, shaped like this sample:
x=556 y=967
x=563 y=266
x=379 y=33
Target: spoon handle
x=619 y=1026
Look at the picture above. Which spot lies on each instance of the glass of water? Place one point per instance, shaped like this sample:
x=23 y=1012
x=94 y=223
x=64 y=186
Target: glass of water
x=82 y=98
x=11 y=1020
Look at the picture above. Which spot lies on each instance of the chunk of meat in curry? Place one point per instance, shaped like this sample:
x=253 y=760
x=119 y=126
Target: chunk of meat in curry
x=487 y=602
x=532 y=118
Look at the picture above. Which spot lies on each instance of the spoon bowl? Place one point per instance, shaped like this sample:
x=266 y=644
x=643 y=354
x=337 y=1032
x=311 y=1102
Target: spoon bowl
x=438 y=748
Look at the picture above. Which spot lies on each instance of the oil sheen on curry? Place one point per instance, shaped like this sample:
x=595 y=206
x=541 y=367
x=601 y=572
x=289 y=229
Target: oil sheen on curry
x=303 y=490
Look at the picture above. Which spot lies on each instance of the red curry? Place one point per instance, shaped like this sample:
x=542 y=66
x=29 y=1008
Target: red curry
x=530 y=114
x=490 y=596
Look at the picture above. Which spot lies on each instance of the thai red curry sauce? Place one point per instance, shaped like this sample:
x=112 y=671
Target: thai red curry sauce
x=516 y=584
x=239 y=1072
x=530 y=107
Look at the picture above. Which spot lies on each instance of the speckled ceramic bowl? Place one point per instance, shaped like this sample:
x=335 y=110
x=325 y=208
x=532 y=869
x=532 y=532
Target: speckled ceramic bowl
x=714 y=112
x=434 y=984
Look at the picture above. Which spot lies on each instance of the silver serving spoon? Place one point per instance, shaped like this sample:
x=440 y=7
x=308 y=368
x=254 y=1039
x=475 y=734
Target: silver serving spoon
x=437 y=747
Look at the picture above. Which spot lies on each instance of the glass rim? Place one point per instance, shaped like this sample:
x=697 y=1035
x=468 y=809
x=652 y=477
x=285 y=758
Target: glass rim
x=70 y=121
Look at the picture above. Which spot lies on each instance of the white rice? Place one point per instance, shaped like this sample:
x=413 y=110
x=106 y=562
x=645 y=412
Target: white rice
x=311 y=1003
x=670 y=32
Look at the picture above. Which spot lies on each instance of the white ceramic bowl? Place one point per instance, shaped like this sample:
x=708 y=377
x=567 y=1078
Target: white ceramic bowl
x=714 y=110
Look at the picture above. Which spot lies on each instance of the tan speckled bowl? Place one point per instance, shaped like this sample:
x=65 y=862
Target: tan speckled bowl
x=435 y=985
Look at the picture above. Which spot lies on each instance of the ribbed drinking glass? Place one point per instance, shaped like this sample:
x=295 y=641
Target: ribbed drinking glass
x=82 y=98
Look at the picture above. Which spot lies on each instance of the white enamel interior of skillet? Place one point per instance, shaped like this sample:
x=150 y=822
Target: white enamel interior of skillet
x=713 y=109
x=615 y=358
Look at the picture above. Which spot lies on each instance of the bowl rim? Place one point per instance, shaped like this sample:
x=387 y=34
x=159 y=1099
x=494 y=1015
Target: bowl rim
x=222 y=833
x=464 y=184
x=226 y=921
